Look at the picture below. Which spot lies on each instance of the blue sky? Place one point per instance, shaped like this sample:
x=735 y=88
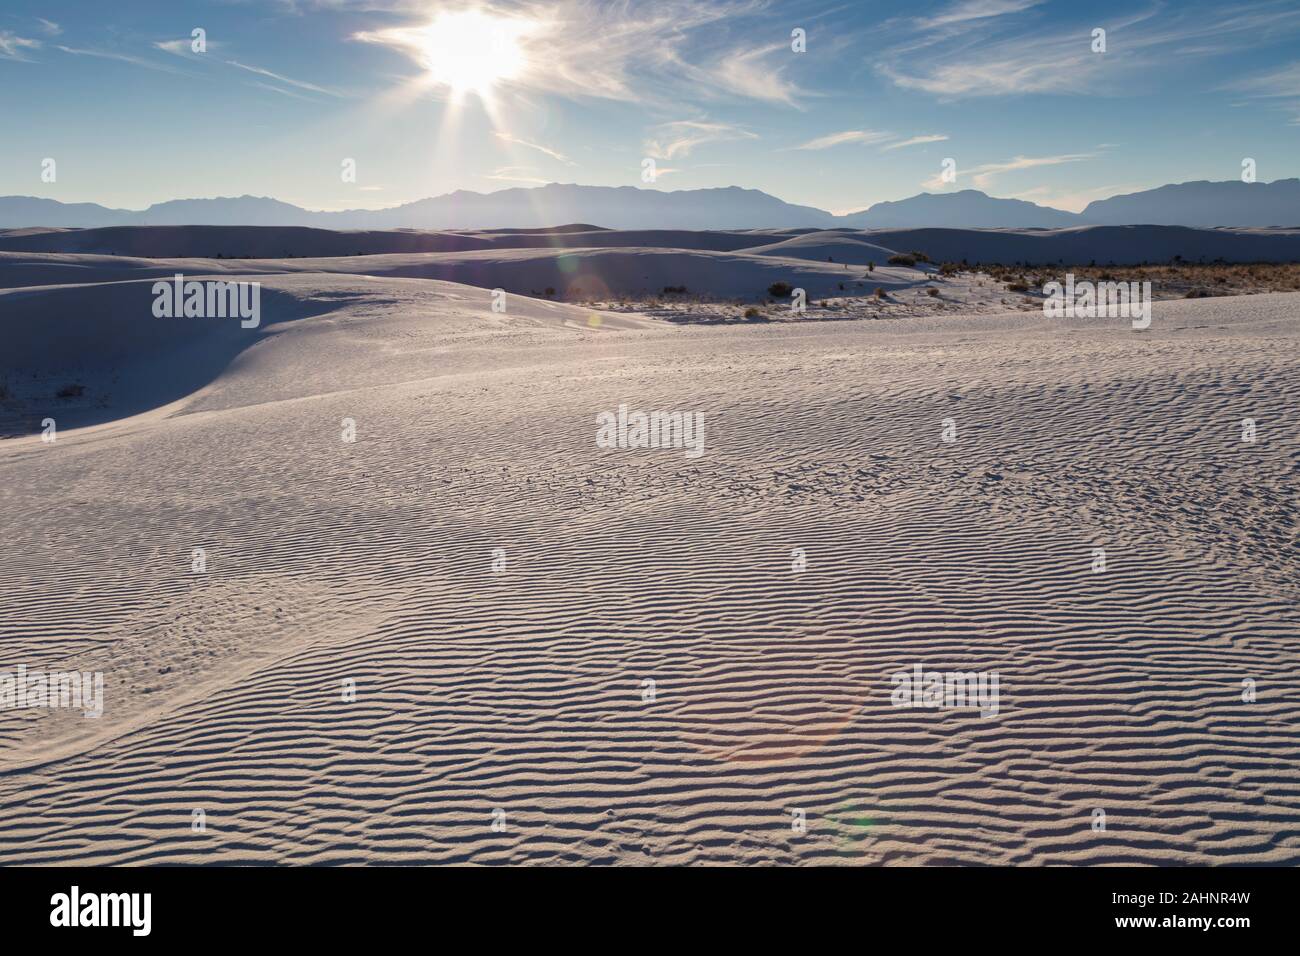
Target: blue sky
x=519 y=93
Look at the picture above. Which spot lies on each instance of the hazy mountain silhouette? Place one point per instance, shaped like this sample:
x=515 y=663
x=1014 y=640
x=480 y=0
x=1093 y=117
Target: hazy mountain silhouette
x=629 y=207
x=1202 y=203
x=965 y=209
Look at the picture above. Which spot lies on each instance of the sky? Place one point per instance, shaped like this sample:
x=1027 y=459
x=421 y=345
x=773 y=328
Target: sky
x=836 y=105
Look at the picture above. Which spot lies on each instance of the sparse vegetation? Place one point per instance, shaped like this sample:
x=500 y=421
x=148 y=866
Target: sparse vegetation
x=901 y=260
x=71 y=391
x=754 y=315
x=780 y=290
x=931 y=290
x=880 y=293
x=1168 y=281
x=674 y=290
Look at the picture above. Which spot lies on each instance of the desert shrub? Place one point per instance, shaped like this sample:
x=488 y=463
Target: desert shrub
x=779 y=290
x=879 y=293
x=674 y=290
x=550 y=291
x=871 y=267
x=901 y=260
x=1017 y=287
x=71 y=391
x=919 y=256
x=754 y=315
x=1197 y=294
x=948 y=269
x=931 y=291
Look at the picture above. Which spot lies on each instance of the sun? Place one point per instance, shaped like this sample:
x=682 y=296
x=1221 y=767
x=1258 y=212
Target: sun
x=472 y=51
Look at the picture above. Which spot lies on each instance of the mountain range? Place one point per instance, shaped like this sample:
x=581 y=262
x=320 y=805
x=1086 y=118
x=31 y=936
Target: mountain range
x=1202 y=204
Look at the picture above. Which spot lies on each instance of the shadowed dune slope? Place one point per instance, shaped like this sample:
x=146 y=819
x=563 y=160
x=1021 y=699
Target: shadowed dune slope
x=277 y=242
x=590 y=273
x=1120 y=245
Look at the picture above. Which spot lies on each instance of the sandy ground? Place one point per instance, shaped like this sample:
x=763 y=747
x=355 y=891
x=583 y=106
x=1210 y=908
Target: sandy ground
x=503 y=715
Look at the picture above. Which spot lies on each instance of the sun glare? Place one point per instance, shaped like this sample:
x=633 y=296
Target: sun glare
x=473 y=51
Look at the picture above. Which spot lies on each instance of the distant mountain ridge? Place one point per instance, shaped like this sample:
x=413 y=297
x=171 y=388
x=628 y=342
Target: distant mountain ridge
x=1197 y=204
x=964 y=209
x=1203 y=203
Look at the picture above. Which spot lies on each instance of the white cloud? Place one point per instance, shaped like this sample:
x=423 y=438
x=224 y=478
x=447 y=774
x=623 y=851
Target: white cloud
x=982 y=176
x=512 y=174
x=300 y=84
x=744 y=72
x=12 y=45
x=916 y=141
x=671 y=140
x=119 y=57
x=976 y=10
x=656 y=53
x=864 y=136
x=185 y=47
x=541 y=149
x=1283 y=82
x=49 y=27
x=983 y=58
x=1074 y=200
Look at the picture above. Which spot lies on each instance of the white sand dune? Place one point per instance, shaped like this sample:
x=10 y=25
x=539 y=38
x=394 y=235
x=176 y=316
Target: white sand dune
x=523 y=690
x=831 y=245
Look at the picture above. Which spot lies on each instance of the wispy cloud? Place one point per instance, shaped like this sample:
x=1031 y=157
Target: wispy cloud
x=554 y=154
x=743 y=72
x=174 y=47
x=991 y=56
x=1074 y=200
x=982 y=176
x=670 y=140
x=118 y=57
x=1280 y=87
x=869 y=137
x=661 y=53
x=512 y=174
x=300 y=84
x=49 y=27
x=12 y=46
x=976 y=10
x=185 y=48
x=1283 y=82
x=916 y=141
x=864 y=136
